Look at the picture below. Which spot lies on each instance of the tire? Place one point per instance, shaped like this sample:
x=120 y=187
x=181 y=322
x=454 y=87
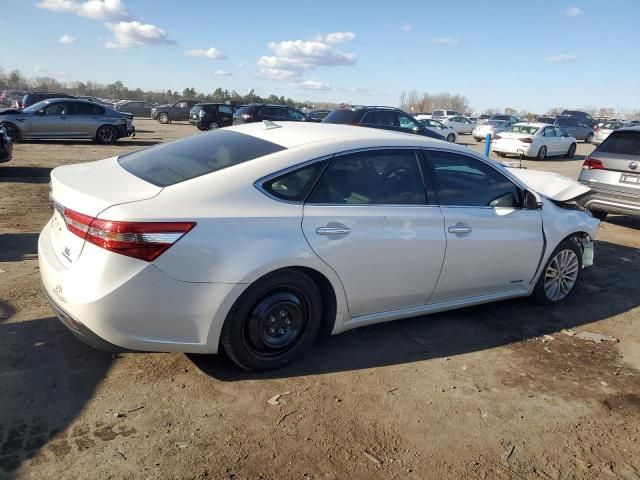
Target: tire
x=542 y=153
x=13 y=131
x=258 y=336
x=572 y=151
x=566 y=258
x=107 y=134
x=213 y=126
x=164 y=118
x=451 y=138
x=589 y=138
x=200 y=128
x=478 y=140
x=599 y=214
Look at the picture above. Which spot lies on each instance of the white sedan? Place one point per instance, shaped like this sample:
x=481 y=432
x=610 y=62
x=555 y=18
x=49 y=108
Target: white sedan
x=534 y=140
x=435 y=126
x=257 y=237
x=460 y=124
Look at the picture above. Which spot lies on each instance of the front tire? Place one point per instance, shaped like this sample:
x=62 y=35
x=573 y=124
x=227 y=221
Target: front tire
x=542 y=153
x=213 y=126
x=572 y=151
x=13 y=131
x=106 y=134
x=273 y=322
x=560 y=274
x=164 y=118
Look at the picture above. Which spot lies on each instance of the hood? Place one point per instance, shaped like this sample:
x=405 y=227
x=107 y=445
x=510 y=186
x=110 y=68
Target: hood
x=552 y=185
x=10 y=111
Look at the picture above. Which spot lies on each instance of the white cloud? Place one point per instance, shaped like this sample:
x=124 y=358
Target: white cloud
x=40 y=69
x=222 y=73
x=560 y=58
x=446 y=41
x=279 y=74
x=66 y=39
x=96 y=9
x=407 y=27
x=335 y=37
x=573 y=12
x=311 y=85
x=212 y=53
x=132 y=34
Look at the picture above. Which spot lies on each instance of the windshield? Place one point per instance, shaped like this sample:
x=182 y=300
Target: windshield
x=37 y=106
x=529 y=130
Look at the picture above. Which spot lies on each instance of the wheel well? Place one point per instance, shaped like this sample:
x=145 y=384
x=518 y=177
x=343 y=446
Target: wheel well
x=578 y=236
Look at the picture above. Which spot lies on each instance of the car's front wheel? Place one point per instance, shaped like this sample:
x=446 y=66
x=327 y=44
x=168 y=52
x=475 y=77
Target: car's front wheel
x=13 y=132
x=561 y=273
x=106 y=134
x=213 y=126
x=274 y=321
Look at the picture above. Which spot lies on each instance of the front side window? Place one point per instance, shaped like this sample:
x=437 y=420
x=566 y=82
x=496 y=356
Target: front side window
x=407 y=122
x=549 y=132
x=295 y=115
x=559 y=132
x=59 y=108
x=181 y=105
x=466 y=181
x=390 y=177
x=225 y=109
x=384 y=118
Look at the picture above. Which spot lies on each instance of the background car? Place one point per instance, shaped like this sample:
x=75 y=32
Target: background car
x=209 y=116
x=173 y=112
x=547 y=120
x=254 y=240
x=67 y=118
x=259 y=112
x=318 y=115
x=6 y=145
x=443 y=113
x=386 y=118
x=491 y=127
x=135 y=108
x=504 y=118
x=460 y=124
x=601 y=132
x=8 y=97
x=534 y=140
x=34 y=97
x=612 y=171
x=576 y=127
x=583 y=116
x=440 y=128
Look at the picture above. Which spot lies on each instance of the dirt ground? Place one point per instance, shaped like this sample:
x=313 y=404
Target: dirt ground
x=496 y=391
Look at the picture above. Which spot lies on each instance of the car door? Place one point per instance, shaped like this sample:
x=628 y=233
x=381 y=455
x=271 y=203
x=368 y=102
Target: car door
x=563 y=139
x=181 y=111
x=225 y=115
x=51 y=121
x=550 y=140
x=494 y=245
x=372 y=221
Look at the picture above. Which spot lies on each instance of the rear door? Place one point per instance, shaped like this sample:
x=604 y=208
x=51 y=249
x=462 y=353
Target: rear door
x=85 y=119
x=493 y=244
x=550 y=140
x=371 y=220
x=225 y=115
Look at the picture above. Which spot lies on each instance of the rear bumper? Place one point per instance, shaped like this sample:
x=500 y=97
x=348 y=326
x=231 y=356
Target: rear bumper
x=611 y=202
x=527 y=151
x=126 y=131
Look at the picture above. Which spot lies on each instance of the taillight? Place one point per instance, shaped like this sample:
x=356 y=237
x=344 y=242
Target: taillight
x=526 y=140
x=592 y=164
x=597 y=129
x=143 y=240
x=497 y=137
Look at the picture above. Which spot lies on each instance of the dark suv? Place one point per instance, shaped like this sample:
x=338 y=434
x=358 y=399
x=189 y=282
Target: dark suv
x=35 y=97
x=171 y=113
x=275 y=113
x=387 y=118
x=583 y=116
x=209 y=116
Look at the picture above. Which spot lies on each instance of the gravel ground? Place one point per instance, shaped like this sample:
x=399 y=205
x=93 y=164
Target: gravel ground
x=496 y=391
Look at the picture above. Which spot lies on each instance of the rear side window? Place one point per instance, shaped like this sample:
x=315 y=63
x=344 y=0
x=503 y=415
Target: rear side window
x=224 y=109
x=625 y=143
x=191 y=157
x=86 y=109
x=294 y=186
x=341 y=116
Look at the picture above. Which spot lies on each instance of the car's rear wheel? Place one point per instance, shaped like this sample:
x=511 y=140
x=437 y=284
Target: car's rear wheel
x=561 y=273
x=599 y=214
x=13 y=132
x=572 y=151
x=106 y=134
x=274 y=321
x=163 y=118
x=478 y=140
x=542 y=153
x=589 y=138
x=213 y=126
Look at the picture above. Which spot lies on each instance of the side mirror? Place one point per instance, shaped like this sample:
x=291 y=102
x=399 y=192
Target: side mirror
x=531 y=201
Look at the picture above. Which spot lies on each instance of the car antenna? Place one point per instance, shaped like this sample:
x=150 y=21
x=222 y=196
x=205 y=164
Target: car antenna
x=269 y=125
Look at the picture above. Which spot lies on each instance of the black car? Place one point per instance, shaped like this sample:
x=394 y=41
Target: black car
x=170 y=113
x=135 y=108
x=35 y=97
x=547 y=120
x=6 y=145
x=387 y=118
x=209 y=116
x=318 y=115
x=259 y=112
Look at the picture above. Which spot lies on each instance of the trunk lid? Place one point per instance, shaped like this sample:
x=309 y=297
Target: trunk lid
x=88 y=189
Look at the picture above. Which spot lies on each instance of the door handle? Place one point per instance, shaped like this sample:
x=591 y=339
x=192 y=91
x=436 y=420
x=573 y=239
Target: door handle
x=337 y=230
x=460 y=229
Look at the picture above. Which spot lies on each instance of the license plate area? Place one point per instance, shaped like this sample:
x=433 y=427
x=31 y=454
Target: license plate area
x=632 y=178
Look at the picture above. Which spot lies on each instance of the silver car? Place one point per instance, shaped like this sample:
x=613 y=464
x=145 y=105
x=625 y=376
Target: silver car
x=604 y=130
x=613 y=173
x=492 y=127
x=67 y=118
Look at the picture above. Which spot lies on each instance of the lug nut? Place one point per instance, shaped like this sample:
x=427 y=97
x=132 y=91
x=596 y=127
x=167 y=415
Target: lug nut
x=281 y=331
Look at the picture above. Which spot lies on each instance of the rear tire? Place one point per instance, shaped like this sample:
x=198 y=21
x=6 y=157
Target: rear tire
x=451 y=138
x=164 y=118
x=572 y=151
x=478 y=140
x=273 y=322
x=542 y=153
x=589 y=138
x=599 y=214
x=561 y=273
x=213 y=126
x=107 y=134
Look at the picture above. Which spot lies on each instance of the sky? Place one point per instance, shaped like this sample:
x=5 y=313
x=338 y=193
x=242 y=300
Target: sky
x=530 y=55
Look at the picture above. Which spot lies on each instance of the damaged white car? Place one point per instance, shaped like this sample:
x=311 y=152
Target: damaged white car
x=255 y=238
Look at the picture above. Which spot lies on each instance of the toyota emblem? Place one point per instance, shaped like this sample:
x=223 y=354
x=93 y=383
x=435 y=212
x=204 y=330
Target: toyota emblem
x=633 y=165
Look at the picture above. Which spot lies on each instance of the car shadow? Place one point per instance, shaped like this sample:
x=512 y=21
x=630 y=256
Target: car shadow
x=472 y=329
x=47 y=379
x=16 y=247
x=624 y=221
x=25 y=174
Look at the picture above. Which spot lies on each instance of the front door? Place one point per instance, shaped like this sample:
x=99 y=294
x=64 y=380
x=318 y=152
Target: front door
x=493 y=244
x=52 y=122
x=372 y=221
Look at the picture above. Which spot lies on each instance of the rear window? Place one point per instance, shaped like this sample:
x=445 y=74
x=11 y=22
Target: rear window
x=625 y=143
x=524 y=129
x=192 y=157
x=341 y=116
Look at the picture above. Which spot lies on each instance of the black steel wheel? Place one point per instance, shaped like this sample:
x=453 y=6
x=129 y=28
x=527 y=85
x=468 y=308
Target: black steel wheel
x=13 y=132
x=572 y=151
x=273 y=322
x=106 y=134
x=542 y=153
